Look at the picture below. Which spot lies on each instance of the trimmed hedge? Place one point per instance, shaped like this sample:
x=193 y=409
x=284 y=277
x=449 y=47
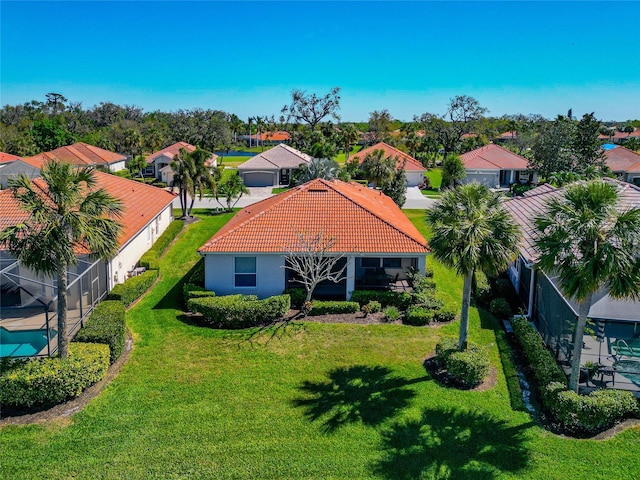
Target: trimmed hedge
x=500 y=307
x=333 y=307
x=106 y=325
x=481 y=288
x=418 y=316
x=401 y=300
x=589 y=413
x=467 y=367
x=151 y=258
x=240 y=311
x=133 y=288
x=544 y=367
x=51 y=380
x=298 y=296
x=445 y=314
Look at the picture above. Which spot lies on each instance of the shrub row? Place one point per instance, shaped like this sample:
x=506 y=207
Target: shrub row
x=418 y=316
x=151 y=258
x=51 y=380
x=371 y=307
x=500 y=307
x=481 y=288
x=298 y=296
x=196 y=274
x=400 y=300
x=588 y=413
x=320 y=307
x=129 y=291
x=106 y=325
x=240 y=311
x=468 y=367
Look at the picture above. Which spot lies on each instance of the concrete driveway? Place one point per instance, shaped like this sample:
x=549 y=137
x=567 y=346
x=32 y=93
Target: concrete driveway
x=415 y=199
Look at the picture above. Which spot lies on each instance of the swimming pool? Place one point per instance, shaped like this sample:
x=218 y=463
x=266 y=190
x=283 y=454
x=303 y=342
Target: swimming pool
x=21 y=343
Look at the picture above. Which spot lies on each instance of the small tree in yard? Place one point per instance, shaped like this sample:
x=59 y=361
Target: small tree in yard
x=231 y=189
x=453 y=171
x=396 y=189
x=311 y=257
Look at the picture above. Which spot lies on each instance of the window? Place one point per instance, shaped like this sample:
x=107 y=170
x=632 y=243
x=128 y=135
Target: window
x=392 y=263
x=245 y=271
x=370 y=262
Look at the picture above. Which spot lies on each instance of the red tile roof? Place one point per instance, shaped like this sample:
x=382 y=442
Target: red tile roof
x=7 y=157
x=525 y=209
x=77 y=154
x=142 y=203
x=620 y=159
x=358 y=218
x=493 y=157
x=410 y=163
x=620 y=135
x=172 y=150
x=507 y=135
x=279 y=136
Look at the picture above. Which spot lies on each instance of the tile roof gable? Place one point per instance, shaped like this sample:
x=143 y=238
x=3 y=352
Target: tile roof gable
x=410 y=163
x=493 y=157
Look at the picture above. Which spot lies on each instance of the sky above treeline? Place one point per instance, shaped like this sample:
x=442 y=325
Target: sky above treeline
x=406 y=57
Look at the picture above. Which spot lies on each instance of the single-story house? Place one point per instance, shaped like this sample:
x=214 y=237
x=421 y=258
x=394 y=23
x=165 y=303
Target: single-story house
x=159 y=163
x=619 y=137
x=414 y=170
x=266 y=138
x=376 y=240
x=554 y=315
x=82 y=154
x=28 y=299
x=272 y=167
x=624 y=163
x=13 y=169
x=495 y=167
x=7 y=157
x=506 y=137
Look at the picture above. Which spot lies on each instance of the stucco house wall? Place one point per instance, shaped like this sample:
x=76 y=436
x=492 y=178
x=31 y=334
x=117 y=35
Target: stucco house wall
x=220 y=274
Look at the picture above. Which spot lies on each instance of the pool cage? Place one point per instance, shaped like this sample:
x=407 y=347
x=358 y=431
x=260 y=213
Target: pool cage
x=28 y=304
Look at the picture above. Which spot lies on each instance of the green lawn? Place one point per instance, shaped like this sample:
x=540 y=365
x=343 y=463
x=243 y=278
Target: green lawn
x=340 y=158
x=314 y=401
x=435 y=177
x=233 y=160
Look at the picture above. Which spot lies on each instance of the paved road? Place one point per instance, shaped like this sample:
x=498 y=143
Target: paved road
x=415 y=199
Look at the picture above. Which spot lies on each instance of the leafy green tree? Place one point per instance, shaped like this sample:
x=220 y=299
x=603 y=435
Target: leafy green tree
x=586 y=145
x=49 y=134
x=471 y=229
x=312 y=109
x=66 y=212
x=377 y=168
x=592 y=243
x=396 y=189
x=380 y=125
x=453 y=171
x=349 y=136
x=137 y=165
x=231 y=189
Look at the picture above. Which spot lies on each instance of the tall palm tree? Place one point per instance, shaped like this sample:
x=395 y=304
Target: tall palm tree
x=325 y=168
x=183 y=167
x=66 y=213
x=204 y=176
x=231 y=189
x=471 y=229
x=377 y=168
x=592 y=243
x=349 y=136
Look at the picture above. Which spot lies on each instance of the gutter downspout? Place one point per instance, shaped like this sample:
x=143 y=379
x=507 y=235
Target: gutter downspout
x=531 y=290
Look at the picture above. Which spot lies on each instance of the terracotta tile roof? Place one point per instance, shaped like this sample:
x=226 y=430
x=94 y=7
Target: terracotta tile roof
x=493 y=157
x=7 y=157
x=620 y=159
x=279 y=136
x=280 y=156
x=507 y=135
x=141 y=203
x=172 y=150
x=410 y=163
x=469 y=135
x=618 y=135
x=525 y=209
x=359 y=218
x=77 y=154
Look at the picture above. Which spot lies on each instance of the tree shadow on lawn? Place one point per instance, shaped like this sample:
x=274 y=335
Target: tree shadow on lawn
x=174 y=298
x=367 y=394
x=452 y=443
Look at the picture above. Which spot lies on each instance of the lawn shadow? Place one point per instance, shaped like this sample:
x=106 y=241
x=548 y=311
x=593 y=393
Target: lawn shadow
x=262 y=335
x=452 y=443
x=367 y=394
x=174 y=298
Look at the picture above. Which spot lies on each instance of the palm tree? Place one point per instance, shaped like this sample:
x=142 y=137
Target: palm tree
x=349 y=136
x=183 y=167
x=204 y=177
x=232 y=188
x=66 y=213
x=324 y=168
x=378 y=169
x=592 y=244
x=472 y=229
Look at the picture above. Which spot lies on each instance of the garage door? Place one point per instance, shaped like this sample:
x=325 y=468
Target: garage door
x=487 y=179
x=258 y=179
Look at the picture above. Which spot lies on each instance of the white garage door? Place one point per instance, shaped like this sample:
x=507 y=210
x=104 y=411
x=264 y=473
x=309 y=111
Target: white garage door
x=259 y=179
x=487 y=179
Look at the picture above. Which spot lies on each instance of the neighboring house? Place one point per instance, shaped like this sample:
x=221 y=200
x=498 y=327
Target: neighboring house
x=28 y=300
x=556 y=316
x=619 y=137
x=378 y=241
x=159 y=163
x=82 y=154
x=266 y=138
x=414 y=170
x=506 y=137
x=496 y=167
x=13 y=169
x=7 y=157
x=272 y=167
x=624 y=163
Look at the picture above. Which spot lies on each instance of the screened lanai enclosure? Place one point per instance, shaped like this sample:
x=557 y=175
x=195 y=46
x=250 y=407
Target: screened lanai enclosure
x=611 y=340
x=28 y=304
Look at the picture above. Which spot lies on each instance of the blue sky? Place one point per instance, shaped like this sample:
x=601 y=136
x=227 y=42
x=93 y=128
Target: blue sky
x=407 y=57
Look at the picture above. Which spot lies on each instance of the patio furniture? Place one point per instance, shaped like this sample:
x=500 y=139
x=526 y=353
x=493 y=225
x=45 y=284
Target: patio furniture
x=607 y=372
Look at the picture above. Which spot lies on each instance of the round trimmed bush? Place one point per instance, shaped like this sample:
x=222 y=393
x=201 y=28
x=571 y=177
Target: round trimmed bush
x=418 y=316
x=391 y=314
x=445 y=314
x=468 y=367
x=500 y=308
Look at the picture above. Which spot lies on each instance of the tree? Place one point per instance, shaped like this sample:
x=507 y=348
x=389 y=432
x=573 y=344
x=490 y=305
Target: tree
x=49 y=134
x=231 y=189
x=591 y=243
x=348 y=136
x=377 y=168
x=586 y=145
x=137 y=165
x=66 y=213
x=311 y=258
x=183 y=168
x=453 y=171
x=471 y=229
x=396 y=189
x=380 y=125
x=192 y=176
x=56 y=102
x=311 y=109
x=324 y=168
